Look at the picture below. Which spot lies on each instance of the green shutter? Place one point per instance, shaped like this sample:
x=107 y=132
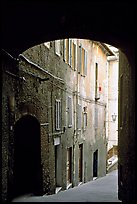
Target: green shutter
x=79 y=58
x=85 y=63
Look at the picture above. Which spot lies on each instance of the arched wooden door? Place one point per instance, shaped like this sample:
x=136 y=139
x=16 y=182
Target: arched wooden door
x=27 y=157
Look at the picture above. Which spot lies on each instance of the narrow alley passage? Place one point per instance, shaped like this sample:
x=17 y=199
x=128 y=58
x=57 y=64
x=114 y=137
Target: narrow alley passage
x=104 y=189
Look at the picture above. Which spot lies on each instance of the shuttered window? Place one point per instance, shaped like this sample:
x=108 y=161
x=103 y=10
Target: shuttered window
x=84 y=120
x=82 y=61
x=57 y=47
x=70 y=52
x=96 y=79
x=73 y=56
x=69 y=112
x=66 y=50
x=83 y=58
x=79 y=51
x=58 y=115
x=97 y=93
x=79 y=117
x=85 y=63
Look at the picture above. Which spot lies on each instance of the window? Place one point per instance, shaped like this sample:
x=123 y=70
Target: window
x=69 y=112
x=82 y=61
x=96 y=78
x=85 y=63
x=83 y=57
x=57 y=47
x=73 y=56
x=79 y=117
x=84 y=120
x=79 y=50
x=97 y=94
x=66 y=50
x=58 y=114
x=70 y=52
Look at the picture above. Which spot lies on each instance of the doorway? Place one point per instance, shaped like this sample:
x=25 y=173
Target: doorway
x=69 y=165
x=80 y=163
x=95 y=164
x=27 y=157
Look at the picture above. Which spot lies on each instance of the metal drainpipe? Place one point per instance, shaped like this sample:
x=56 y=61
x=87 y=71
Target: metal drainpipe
x=52 y=108
x=76 y=118
x=52 y=127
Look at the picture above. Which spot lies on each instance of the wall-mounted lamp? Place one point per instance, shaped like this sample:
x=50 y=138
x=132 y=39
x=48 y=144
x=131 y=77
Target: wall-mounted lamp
x=114 y=117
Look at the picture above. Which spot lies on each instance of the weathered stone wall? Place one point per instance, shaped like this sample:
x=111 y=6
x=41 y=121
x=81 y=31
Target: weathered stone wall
x=35 y=90
x=126 y=124
x=8 y=92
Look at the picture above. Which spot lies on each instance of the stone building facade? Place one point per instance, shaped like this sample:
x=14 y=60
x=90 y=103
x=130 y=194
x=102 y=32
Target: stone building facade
x=112 y=103
x=54 y=112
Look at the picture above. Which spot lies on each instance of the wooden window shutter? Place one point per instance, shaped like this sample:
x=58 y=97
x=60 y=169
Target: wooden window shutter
x=70 y=52
x=79 y=58
x=64 y=50
x=69 y=112
x=79 y=117
x=85 y=63
x=96 y=79
x=57 y=47
x=84 y=120
x=83 y=58
x=58 y=115
x=75 y=65
x=73 y=55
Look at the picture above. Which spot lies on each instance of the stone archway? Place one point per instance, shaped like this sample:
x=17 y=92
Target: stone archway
x=62 y=23
x=27 y=157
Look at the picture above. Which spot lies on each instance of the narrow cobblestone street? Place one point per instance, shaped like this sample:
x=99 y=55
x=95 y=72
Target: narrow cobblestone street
x=104 y=189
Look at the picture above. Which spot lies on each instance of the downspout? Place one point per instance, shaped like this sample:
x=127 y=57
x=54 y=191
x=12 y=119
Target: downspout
x=107 y=125
x=50 y=136
x=76 y=115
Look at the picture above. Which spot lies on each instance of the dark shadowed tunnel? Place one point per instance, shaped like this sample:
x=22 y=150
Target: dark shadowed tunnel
x=27 y=168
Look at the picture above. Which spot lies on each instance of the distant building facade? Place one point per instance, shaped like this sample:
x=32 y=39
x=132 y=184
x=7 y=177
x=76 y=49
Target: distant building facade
x=54 y=117
x=112 y=103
